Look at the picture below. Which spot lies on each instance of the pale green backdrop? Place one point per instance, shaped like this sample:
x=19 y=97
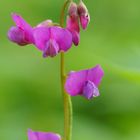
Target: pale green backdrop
x=30 y=94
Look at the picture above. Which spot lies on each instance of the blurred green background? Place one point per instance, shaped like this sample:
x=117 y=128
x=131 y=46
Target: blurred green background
x=30 y=94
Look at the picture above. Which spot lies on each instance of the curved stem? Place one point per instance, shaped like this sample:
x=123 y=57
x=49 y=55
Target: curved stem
x=66 y=98
x=63 y=12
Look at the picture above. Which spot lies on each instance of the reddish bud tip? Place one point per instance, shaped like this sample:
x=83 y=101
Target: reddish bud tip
x=83 y=14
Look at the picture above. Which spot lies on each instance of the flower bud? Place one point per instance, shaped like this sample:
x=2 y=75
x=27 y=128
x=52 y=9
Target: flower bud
x=73 y=27
x=73 y=23
x=83 y=14
x=72 y=10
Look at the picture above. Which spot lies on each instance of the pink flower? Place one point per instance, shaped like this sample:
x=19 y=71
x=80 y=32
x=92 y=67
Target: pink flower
x=84 y=82
x=73 y=23
x=52 y=40
x=83 y=14
x=22 y=33
x=42 y=135
x=46 y=37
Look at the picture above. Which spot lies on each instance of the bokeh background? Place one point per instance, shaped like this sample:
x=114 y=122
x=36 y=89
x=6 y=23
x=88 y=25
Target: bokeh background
x=30 y=94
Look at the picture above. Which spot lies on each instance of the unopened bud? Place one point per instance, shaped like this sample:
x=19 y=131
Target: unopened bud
x=72 y=10
x=83 y=14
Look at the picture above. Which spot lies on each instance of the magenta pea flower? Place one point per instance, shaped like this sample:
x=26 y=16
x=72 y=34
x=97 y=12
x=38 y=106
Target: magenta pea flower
x=52 y=40
x=42 y=135
x=73 y=23
x=83 y=14
x=46 y=37
x=22 y=33
x=84 y=82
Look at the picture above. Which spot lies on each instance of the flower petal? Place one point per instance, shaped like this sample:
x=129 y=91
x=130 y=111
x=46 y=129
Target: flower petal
x=75 y=38
x=17 y=35
x=51 y=48
x=43 y=136
x=21 y=23
x=95 y=75
x=90 y=90
x=63 y=37
x=73 y=27
x=75 y=82
x=32 y=135
x=41 y=36
x=47 y=23
x=73 y=23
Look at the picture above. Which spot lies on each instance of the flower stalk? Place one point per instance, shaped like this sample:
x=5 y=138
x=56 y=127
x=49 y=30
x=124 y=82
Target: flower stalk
x=66 y=97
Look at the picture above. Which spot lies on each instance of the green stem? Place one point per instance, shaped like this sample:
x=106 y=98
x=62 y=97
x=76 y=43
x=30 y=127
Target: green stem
x=62 y=16
x=67 y=104
x=66 y=97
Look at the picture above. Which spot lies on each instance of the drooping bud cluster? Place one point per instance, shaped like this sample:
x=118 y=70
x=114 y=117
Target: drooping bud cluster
x=77 y=13
x=73 y=23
